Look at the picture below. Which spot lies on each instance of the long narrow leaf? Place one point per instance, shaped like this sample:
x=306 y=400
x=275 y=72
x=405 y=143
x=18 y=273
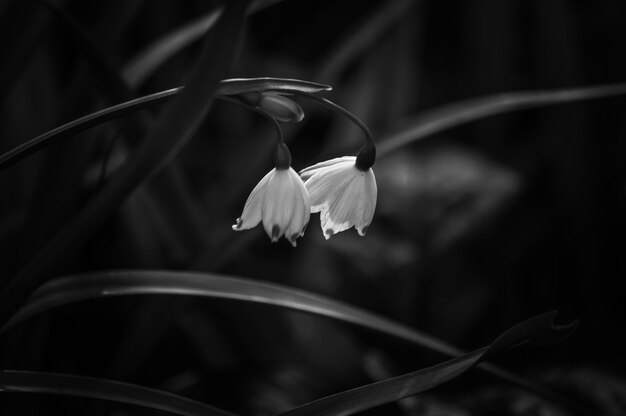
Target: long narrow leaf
x=98 y=388
x=147 y=61
x=363 y=37
x=22 y=26
x=175 y=126
x=538 y=330
x=80 y=124
x=82 y=287
x=112 y=85
x=226 y=88
x=140 y=67
x=448 y=116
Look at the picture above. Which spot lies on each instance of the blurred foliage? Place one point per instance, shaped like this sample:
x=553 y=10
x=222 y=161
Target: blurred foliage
x=476 y=228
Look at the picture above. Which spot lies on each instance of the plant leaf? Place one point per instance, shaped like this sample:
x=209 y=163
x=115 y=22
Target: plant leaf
x=147 y=61
x=139 y=68
x=169 y=134
x=98 y=388
x=361 y=39
x=83 y=123
x=226 y=88
x=82 y=287
x=537 y=331
x=22 y=26
x=237 y=86
x=112 y=85
x=451 y=115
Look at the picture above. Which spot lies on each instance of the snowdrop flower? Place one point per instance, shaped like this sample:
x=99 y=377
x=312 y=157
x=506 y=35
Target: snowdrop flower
x=280 y=201
x=344 y=192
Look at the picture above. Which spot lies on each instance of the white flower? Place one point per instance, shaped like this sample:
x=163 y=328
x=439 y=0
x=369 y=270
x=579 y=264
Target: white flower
x=281 y=201
x=344 y=194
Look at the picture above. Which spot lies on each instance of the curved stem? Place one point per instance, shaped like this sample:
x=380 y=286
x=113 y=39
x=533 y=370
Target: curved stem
x=27 y=148
x=279 y=130
x=227 y=88
x=366 y=156
x=369 y=139
x=282 y=155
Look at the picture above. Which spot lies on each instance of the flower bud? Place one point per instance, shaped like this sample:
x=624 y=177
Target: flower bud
x=275 y=105
x=281 y=108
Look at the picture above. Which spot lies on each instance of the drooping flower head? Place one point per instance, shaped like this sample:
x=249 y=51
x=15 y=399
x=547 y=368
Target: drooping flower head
x=343 y=192
x=279 y=200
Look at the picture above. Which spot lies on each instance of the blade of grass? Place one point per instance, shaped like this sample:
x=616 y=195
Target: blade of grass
x=82 y=287
x=451 y=115
x=139 y=68
x=22 y=26
x=363 y=37
x=186 y=233
x=538 y=330
x=80 y=124
x=98 y=388
x=120 y=283
x=113 y=85
x=169 y=134
x=226 y=88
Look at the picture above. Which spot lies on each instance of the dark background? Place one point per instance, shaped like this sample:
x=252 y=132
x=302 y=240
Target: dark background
x=477 y=228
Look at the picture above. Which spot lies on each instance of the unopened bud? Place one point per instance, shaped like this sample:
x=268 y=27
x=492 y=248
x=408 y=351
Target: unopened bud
x=280 y=107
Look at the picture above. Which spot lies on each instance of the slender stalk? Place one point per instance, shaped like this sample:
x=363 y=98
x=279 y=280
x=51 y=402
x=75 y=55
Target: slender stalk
x=227 y=89
x=98 y=388
x=80 y=124
x=366 y=155
x=369 y=139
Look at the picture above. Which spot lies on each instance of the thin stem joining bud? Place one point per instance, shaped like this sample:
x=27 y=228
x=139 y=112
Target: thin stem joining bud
x=367 y=154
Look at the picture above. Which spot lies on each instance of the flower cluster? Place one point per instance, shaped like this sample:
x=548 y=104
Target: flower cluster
x=343 y=194
x=343 y=190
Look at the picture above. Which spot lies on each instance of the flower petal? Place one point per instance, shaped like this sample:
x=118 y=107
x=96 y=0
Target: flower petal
x=302 y=210
x=364 y=212
x=251 y=215
x=337 y=214
x=326 y=185
x=275 y=213
x=307 y=172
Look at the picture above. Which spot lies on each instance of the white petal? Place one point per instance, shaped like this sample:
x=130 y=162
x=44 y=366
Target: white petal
x=275 y=212
x=302 y=210
x=345 y=196
x=337 y=214
x=364 y=213
x=326 y=185
x=251 y=215
x=307 y=172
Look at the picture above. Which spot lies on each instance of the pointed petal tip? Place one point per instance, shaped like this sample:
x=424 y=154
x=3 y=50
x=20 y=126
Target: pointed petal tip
x=275 y=233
